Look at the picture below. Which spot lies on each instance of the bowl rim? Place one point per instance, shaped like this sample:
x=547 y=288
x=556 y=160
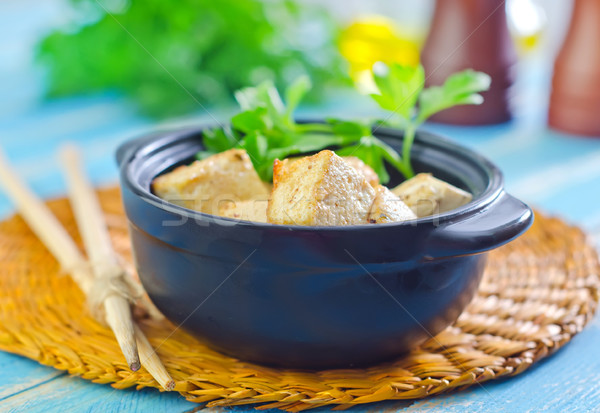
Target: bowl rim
x=157 y=141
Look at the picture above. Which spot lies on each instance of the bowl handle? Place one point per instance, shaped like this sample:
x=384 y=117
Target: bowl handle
x=501 y=221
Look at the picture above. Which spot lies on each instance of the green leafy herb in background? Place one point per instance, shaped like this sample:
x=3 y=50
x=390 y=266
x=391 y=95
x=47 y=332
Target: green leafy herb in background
x=207 y=48
x=266 y=128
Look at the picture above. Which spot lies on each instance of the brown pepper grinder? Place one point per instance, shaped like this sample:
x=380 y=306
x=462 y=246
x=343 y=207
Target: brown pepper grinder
x=575 y=99
x=472 y=34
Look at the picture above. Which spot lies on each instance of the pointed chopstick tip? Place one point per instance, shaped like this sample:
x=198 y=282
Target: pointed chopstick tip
x=135 y=366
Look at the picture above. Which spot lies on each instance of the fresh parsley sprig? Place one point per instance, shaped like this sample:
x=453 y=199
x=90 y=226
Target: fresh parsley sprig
x=267 y=130
x=401 y=87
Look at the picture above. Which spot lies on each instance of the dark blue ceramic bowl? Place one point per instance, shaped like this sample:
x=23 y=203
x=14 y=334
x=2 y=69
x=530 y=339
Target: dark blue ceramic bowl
x=315 y=297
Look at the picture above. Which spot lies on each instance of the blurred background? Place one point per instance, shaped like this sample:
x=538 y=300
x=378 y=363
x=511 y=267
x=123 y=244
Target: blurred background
x=101 y=72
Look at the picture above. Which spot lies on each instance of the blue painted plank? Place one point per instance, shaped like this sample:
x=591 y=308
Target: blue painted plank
x=62 y=393
x=578 y=203
x=520 y=151
x=19 y=374
x=73 y=122
x=72 y=394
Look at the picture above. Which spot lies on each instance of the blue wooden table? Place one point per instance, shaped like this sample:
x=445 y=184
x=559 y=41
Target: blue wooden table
x=556 y=173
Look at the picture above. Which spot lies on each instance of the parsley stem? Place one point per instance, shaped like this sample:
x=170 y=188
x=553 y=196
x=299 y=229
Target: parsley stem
x=409 y=137
x=313 y=127
x=393 y=158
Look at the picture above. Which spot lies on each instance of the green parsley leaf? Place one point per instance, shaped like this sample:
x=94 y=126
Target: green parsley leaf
x=316 y=141
x=399 y=87
x=266 y=96
x=461 y=88
x=268 y=130
x=256 y=145
x=252 y=120
x=219 y=140
x=349 y=131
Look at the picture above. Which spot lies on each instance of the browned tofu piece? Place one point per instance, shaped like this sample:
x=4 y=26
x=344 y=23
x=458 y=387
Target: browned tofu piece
x=319 y=190
x=280 y=168
x=427 y=195
x=354 y=162
x=387 y=207
x=364 y=169
x=251 y=210
x=205 y=184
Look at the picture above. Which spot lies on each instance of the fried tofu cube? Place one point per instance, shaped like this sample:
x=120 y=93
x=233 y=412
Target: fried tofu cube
x=280 y=169
x=319 y=190
x=204 y=184
x=361 y=167
x=427 y=195
x=251 y=210
x=368 y=172
x=387 y=207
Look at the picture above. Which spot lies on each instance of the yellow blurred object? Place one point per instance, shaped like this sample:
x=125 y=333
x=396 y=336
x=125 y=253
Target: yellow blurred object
x=528 y=43
x=375 y=39
x=527 y=22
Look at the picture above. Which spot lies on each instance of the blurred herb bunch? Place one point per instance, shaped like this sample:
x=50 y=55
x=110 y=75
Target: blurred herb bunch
x=207 y=48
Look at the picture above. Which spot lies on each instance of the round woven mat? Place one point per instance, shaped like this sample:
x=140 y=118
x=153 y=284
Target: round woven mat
x=536 y=294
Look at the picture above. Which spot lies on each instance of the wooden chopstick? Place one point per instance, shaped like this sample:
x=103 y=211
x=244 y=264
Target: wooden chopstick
x=100 y=254
x=61 y=245
x=49 y=230
x=92 y=226
x=46 y=226
x=151 y=361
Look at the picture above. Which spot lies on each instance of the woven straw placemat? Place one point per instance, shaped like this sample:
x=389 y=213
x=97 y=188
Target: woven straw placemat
x=536 y=294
